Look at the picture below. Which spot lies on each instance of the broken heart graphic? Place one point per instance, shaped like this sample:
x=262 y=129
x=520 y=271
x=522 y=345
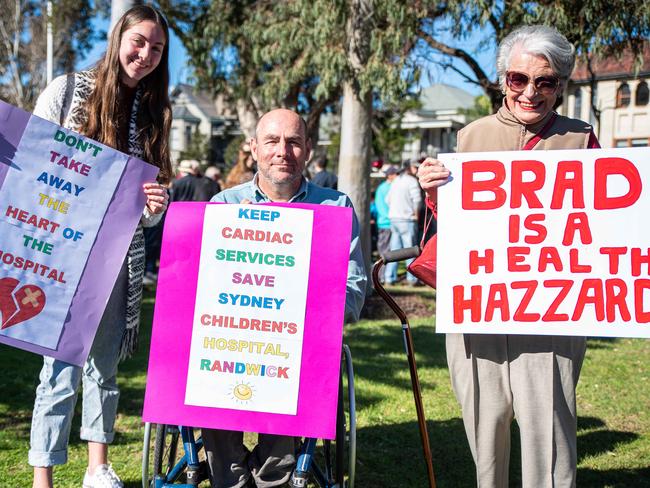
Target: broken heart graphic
x=19 y=305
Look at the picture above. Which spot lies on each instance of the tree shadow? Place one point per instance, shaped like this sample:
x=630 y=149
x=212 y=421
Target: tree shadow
x=392 y=455
x=614 y=478
x=588 y=423
x=452 y=460
x=132 y=484
x=18 y=386
x=602 y=342
x=378 y=353
x=595 y=439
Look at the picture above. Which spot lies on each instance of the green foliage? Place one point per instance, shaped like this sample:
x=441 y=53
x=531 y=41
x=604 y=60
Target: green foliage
x=388 y=138
x=593 y=26
x=334 y=147
x=198 y=147
x=482 y=107
x=293 y=53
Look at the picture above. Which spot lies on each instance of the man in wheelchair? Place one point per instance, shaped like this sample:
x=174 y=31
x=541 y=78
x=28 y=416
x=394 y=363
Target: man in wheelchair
x=281 y=149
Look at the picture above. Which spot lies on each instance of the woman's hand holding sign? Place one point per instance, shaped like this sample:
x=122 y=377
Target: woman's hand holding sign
x=157 y=197
x=432 y=174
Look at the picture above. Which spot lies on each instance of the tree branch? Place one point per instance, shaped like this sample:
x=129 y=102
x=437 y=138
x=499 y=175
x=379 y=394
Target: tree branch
x=490 y=88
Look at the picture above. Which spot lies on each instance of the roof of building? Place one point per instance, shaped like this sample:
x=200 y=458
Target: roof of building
x=200 y=99
x=441 y=96
x=612 y=68
x=184 y=114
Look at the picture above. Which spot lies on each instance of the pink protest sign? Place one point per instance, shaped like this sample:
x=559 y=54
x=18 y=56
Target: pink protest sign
x=248 y=320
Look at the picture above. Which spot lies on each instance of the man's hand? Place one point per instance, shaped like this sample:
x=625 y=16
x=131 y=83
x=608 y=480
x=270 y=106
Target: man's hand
x=432 y=174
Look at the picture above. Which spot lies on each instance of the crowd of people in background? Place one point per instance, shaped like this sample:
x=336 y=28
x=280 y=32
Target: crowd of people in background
x=192 y=184
x=397 y=208
x=397 y=212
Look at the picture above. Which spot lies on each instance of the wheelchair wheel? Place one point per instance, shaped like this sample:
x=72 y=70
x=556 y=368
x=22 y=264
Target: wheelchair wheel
x=160 y=460
x=146 y=447
x=165 y=449
x=340 y=454
x=350 y=408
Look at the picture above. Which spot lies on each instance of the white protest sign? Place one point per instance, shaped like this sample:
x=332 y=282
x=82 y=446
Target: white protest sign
x=545 y=242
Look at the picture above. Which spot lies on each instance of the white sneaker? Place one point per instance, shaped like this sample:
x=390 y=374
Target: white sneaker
x=103 y=477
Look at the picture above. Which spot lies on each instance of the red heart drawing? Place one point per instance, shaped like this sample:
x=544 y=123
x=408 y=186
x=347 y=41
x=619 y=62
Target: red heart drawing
x=20 y=305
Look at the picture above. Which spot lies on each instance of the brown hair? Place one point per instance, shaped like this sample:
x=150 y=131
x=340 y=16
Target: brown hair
x=240 y=173
x=154 y=115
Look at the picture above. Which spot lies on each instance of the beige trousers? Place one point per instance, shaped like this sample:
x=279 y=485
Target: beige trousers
x=530 y=378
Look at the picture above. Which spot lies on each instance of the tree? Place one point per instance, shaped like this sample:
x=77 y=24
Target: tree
x=482 y=107
x=305 y=55
x=23 y=44
x=388 y=137
x=198 y=147
x=595 y=27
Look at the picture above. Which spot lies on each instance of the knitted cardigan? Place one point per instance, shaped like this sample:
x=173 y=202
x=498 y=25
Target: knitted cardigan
x=63 y=102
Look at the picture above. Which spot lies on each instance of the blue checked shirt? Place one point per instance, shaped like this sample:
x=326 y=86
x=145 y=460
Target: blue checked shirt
x=310 y=193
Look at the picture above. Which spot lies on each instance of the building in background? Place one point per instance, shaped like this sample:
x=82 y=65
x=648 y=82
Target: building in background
x=192 y=111
x=433 y=127
x=622 y=115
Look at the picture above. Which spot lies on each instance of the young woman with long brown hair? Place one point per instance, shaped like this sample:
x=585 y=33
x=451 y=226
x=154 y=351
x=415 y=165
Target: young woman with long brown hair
x=123 y=103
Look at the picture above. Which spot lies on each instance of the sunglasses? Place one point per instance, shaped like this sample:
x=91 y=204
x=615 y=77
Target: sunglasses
x=546 y=85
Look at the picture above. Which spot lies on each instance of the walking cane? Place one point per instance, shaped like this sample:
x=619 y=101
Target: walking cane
x=389 y=257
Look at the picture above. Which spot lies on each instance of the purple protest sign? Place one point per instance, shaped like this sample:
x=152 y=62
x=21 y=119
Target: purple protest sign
x=67 y=205
x=232 y=361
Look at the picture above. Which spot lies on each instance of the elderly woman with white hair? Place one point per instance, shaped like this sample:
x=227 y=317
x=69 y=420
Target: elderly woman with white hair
x=530 y=378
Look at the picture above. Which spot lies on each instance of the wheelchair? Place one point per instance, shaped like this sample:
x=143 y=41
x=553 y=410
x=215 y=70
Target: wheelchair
x=176 y=458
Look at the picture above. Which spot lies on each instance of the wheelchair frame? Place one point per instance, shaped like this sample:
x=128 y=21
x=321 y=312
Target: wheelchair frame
x=169 y=468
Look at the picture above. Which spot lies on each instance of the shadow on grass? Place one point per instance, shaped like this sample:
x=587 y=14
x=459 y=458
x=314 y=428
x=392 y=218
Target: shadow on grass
x=602 y=342
x=452 y=461
x=392 y=455
x=597 y=442
x=614 y=478
x=379 y=356
x=18 y=387
x=133 y=484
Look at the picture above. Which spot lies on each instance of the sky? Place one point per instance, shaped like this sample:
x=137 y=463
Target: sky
x=180 y=71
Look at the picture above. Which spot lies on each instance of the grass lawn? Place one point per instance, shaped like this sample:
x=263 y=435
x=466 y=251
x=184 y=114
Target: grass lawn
x=613 y=398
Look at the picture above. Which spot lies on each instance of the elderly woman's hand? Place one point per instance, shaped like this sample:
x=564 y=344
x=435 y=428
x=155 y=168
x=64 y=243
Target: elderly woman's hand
x=157 y=197
x=432 y=174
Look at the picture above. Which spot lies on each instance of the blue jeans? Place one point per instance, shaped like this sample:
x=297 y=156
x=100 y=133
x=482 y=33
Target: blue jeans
x=403 y=233
x=56 y=395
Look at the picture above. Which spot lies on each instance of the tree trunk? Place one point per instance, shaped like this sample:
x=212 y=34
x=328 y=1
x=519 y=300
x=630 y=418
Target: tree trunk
x=247 y=116
x=354 y=158
x=119 y=8
x=356 y=120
